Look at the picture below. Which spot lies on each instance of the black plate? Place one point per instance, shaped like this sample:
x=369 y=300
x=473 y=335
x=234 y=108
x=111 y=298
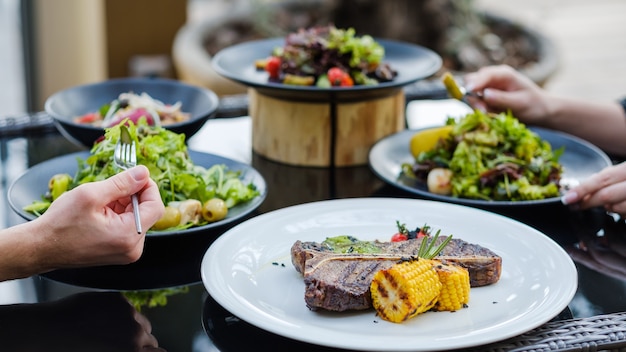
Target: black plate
x=64 y=106
x=31 y=185
x=412 y=62
x=580 y=160
x=169 y=259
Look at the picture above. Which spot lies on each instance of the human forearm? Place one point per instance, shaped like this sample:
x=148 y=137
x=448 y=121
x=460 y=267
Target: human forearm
x=91 y=225
x=603 y=124
x=505 y=89
x=20 y=252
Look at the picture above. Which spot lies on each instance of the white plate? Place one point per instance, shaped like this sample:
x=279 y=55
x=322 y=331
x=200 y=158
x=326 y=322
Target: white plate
x=242 y=270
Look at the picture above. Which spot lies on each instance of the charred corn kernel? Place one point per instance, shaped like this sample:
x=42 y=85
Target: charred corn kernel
x=405 y=290
x=455 y=287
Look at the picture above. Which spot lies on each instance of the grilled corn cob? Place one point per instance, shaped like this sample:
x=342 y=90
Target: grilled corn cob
x=405 y=290
x=455 y=289
x=412 y=287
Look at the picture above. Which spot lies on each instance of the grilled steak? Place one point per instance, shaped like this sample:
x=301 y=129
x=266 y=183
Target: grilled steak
x=341 y=281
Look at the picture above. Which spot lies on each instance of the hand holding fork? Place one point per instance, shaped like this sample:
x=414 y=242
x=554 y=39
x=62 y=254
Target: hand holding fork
x=125 y=157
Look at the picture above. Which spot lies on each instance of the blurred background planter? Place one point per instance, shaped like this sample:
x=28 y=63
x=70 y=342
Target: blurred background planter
x=193 y=62
x=465 y=38
x=196 y=42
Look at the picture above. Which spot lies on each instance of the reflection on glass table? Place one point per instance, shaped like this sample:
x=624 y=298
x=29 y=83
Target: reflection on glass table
x=91 y=321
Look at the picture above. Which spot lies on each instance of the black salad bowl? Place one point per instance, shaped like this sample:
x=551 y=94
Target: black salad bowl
x=64 y=106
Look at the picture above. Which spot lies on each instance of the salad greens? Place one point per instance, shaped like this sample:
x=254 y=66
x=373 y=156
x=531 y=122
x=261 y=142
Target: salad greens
x=493 y=157
x=165 y=154
x=152 y=298
x=310 y=55
x=134 y=106
x=363 y=50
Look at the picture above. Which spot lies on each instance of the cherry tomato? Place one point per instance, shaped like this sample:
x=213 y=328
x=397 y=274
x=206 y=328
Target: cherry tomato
x=423 y=232
x=399 y=237
x=346 y=81
x=87 y=118
x=336 y=76
x=272 y=66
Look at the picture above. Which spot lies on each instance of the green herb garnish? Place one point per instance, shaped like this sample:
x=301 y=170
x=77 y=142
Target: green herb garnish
x=427 y=249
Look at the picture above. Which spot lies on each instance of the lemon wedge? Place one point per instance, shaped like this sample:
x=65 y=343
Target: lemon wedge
x=427 y=139
x=451 y=86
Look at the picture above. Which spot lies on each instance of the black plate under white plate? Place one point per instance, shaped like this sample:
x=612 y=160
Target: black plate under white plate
x=170 y=258
x=580 y=160
x=412 y=62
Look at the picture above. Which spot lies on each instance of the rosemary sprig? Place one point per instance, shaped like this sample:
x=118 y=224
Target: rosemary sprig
x=426 y=249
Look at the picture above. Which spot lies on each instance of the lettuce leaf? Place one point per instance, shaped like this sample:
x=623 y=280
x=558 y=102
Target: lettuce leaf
x=166 y=156
x=496 y=157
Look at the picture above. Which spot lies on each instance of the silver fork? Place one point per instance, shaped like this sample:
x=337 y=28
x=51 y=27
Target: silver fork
x=125 y=157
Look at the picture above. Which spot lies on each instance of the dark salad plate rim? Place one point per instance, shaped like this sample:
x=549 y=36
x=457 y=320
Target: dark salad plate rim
x=261 y=80
x=412 y=187
x=240 y=211
x=163 y=82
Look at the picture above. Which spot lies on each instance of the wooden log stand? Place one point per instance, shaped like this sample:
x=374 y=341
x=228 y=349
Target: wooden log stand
x=322 y=134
